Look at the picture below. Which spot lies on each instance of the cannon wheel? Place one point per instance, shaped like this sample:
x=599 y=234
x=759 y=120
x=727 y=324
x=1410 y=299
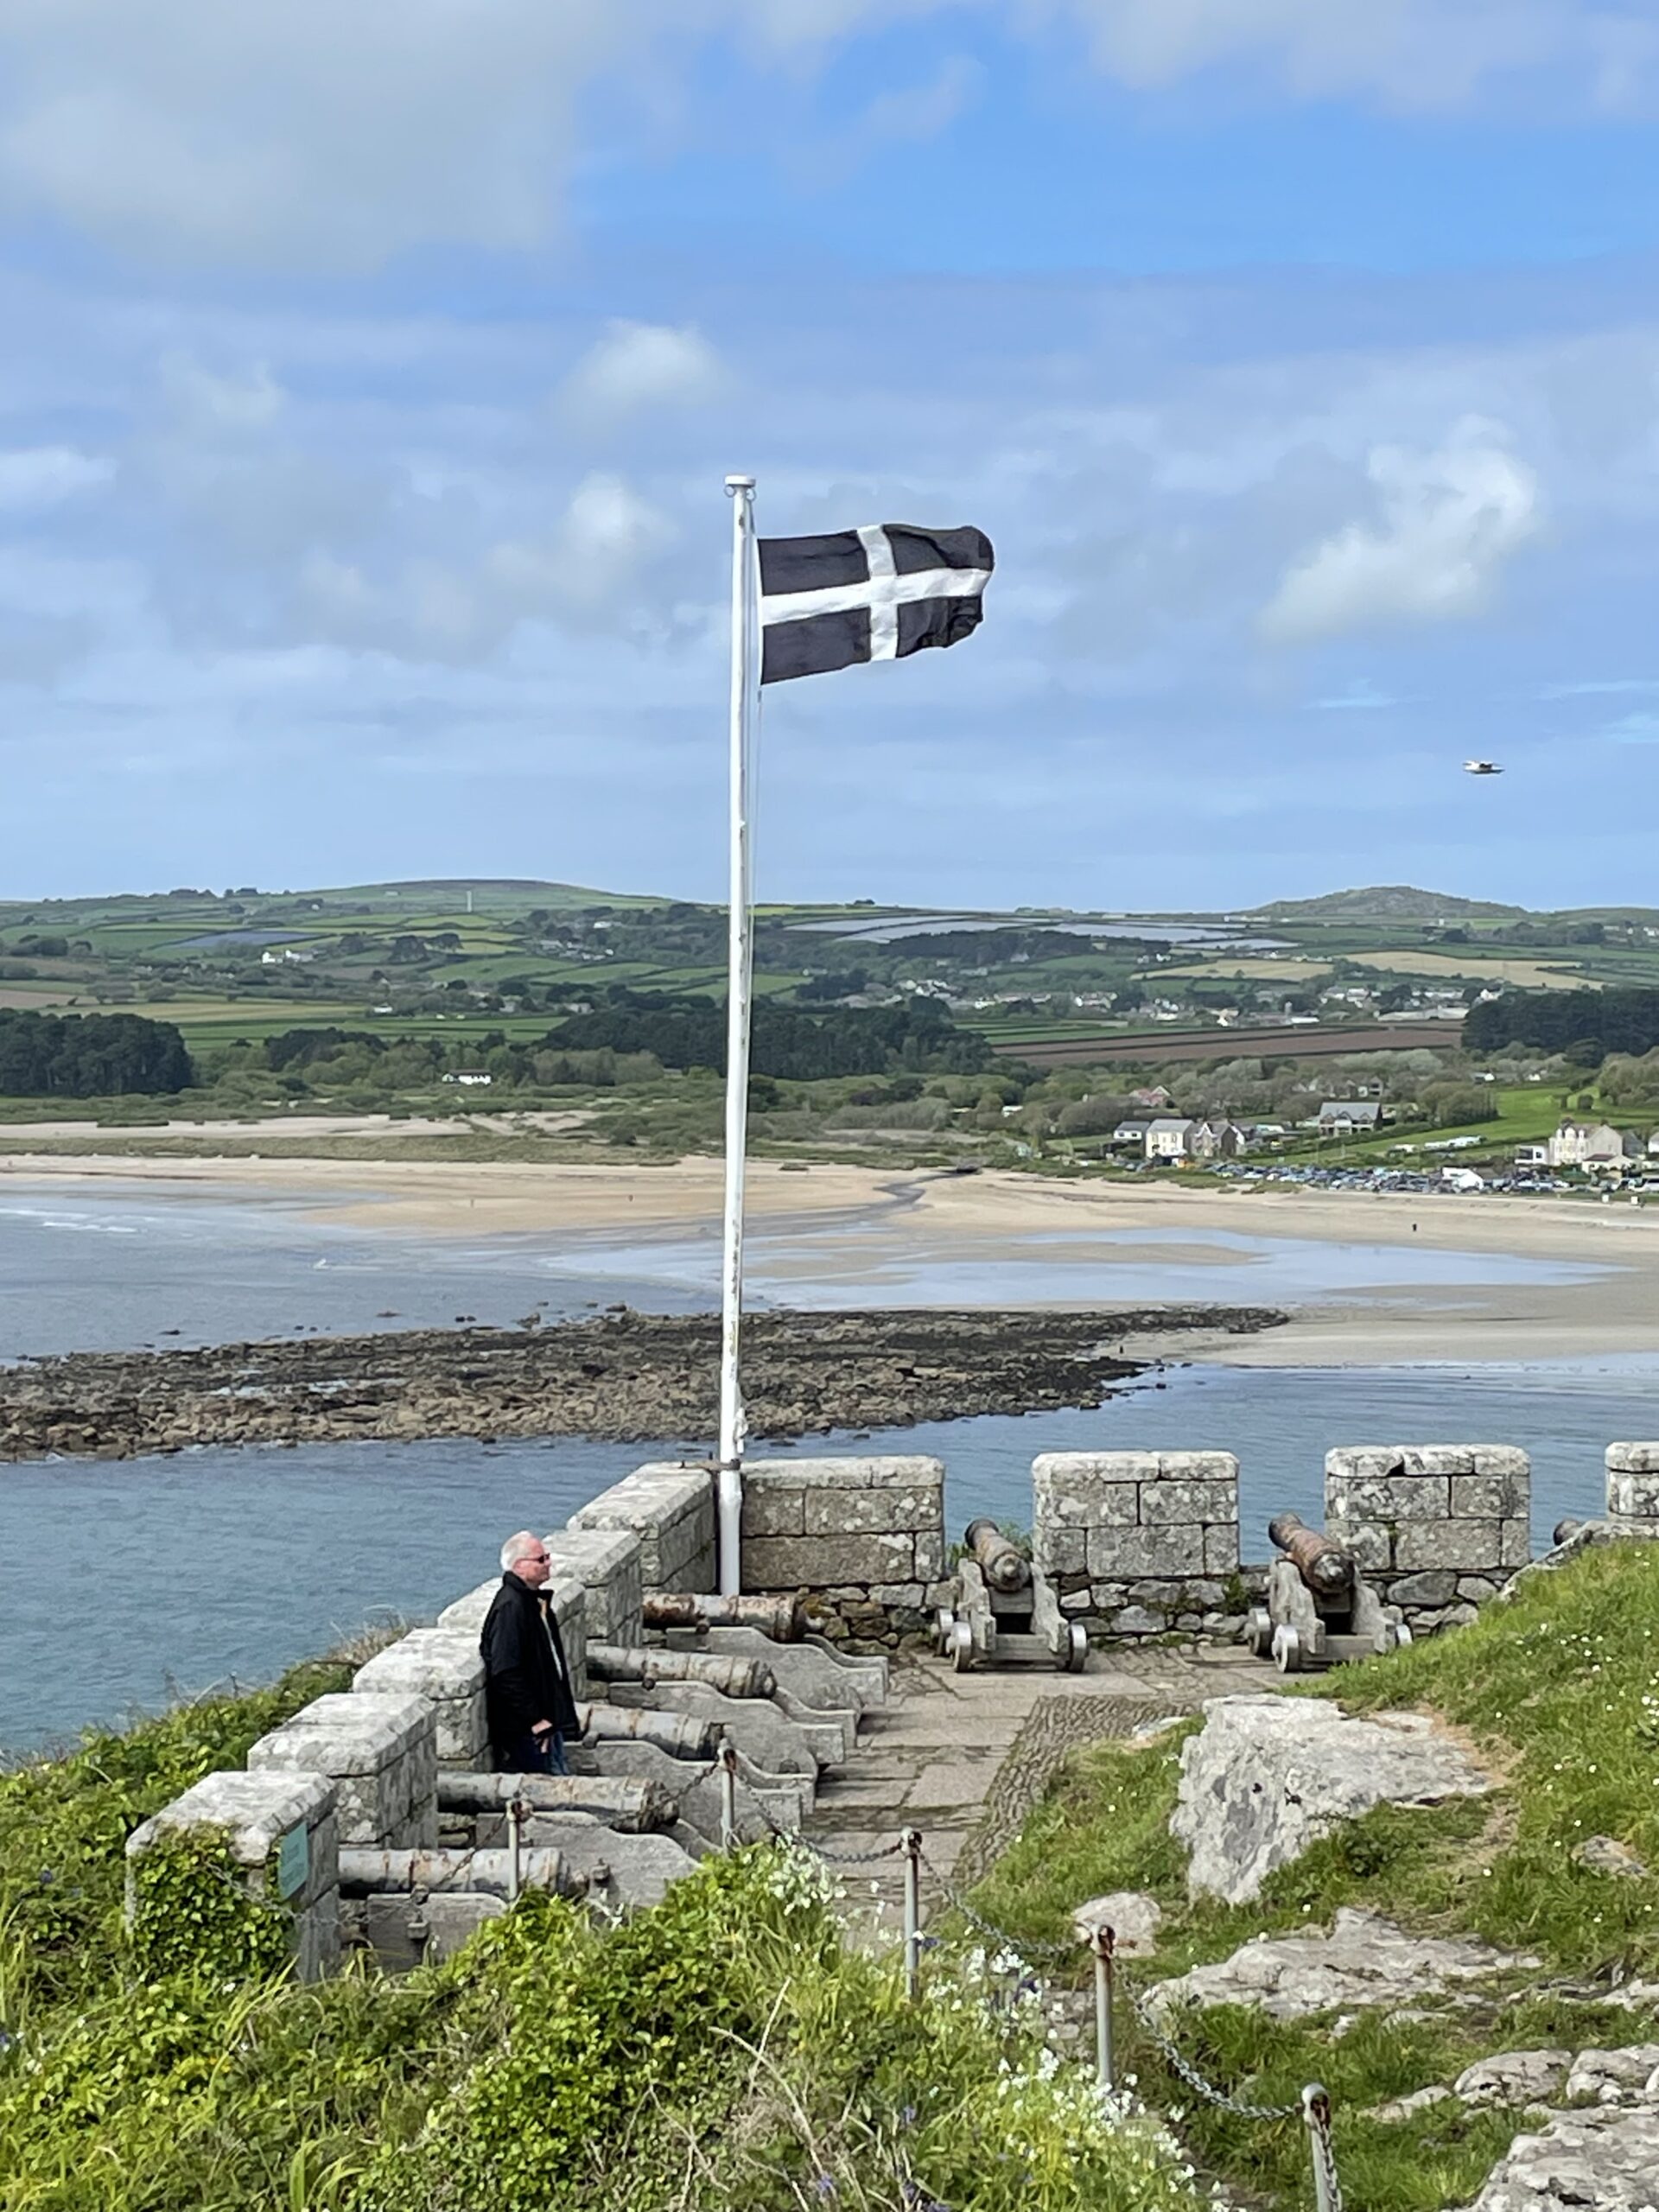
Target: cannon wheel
x=1287 y=1649
x=944 y=1625
x=962 y=1648
x=1258 y=1632
x=1077 y=1648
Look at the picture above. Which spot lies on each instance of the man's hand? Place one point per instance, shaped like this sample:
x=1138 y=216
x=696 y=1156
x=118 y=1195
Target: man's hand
x=541 y=1727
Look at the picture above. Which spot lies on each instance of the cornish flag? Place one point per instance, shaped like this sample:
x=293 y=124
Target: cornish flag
x=874 y=594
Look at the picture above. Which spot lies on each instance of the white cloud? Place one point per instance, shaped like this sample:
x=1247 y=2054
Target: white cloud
x=298 y=129
x=1450 y=520
x=641 y=365
x=310 y=133
x=249 y=401
x=44 y=476
x=1410 y=54
x=588 y=574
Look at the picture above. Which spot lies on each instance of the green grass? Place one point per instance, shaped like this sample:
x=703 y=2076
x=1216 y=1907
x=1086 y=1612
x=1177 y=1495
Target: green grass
x=724 y=2052
x=1558 y=1689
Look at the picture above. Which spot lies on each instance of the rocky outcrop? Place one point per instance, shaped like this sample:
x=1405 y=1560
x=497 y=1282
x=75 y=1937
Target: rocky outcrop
x=1132 y=1917
x=1596 y=2161
x=1513 y=2077
x=1266 y=1777
x=1361 y=1961
x=624 y=1375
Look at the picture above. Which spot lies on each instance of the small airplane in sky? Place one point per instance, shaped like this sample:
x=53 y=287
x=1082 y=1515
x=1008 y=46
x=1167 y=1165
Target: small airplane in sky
x=1481 y=768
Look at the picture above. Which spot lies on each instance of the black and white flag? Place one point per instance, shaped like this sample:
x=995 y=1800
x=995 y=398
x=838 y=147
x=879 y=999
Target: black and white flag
x=874 y=594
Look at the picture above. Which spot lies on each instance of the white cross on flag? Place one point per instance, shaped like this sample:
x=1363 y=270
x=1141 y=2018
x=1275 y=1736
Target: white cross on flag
x=874 y=594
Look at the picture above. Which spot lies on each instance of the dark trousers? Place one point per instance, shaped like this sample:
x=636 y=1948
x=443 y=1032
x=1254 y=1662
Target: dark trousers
x=534 y=1754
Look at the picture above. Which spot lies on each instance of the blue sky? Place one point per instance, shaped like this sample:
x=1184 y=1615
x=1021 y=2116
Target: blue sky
x=370 y=372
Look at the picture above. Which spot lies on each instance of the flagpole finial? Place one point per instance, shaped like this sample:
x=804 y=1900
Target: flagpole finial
x=735 y=483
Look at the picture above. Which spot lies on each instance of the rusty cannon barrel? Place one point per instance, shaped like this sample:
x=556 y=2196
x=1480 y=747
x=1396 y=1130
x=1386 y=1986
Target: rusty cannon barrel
x=1323 y=1564
x=624 y=1802
x=1004 y=1566
x=731 y=1676
x=684 y=1735
x=781 y=1618
x=364 y=1873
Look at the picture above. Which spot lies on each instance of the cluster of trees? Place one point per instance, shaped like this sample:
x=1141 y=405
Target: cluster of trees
x=690 y=1032
x=1584 y=1026
x=90 y=1056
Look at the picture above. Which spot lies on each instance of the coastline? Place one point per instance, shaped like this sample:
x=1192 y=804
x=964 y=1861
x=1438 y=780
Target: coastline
x=859 y=1227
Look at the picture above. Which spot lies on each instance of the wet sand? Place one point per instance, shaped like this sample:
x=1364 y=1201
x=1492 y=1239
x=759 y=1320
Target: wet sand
x=858 y=1225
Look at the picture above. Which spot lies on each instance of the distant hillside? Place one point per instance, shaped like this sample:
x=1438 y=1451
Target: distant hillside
x=1385 y=902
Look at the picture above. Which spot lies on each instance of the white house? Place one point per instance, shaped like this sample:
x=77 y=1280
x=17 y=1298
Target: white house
x=470 y=1076
x=1591 y=1145
x=1168 y=1137
x=1173 y=1138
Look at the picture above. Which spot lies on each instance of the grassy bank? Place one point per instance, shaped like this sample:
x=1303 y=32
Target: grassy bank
x=1558 y=1690
x=720 y=2054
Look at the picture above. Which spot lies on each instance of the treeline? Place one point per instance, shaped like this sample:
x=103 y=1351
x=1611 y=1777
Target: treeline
x=1583 y=1025
x=90 y=1056
x=917 y=1036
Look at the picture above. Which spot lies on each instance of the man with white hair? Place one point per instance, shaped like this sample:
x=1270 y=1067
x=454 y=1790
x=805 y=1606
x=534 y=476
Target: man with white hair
x=526 y=1677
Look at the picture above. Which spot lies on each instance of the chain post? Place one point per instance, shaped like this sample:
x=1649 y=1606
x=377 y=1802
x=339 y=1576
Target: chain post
x=1315 y=2113
x=1102 y=1941
x=515 y=1845
x=913 y=1843
x=727 y=1795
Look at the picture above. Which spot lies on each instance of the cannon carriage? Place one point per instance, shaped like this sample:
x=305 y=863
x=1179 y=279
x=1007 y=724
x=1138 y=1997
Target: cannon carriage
x=1006 y=1613
x=1320 y=1610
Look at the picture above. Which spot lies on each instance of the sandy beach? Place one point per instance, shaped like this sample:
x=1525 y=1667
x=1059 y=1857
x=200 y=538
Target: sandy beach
x=852 y=1226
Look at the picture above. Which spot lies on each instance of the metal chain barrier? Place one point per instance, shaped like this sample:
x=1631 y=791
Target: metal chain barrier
x=1190 y=2076
x=1316 y=2110
x=1032 y=1952
x=1313 y=2106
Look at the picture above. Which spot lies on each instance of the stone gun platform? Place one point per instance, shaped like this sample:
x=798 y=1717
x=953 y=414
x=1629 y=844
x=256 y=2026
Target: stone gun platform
x=963 y=1757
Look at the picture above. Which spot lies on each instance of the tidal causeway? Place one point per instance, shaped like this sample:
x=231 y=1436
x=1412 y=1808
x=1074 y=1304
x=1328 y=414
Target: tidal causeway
x=622 y=1375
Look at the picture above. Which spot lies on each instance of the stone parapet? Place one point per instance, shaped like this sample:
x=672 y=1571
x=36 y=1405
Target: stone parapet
x=1633 y=1481
x=282 y=1837
x=1137 y=1543
x=1437 y=1529
x=608 y=1562
x=380 y=1750
x=865 y=1537
x=568 y=1600
x=671 y=1508
x=444 y=1666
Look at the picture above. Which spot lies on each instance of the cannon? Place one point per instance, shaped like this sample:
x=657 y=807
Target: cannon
x=1320 y=1610
x=1006 y=1613
x=782 y=1619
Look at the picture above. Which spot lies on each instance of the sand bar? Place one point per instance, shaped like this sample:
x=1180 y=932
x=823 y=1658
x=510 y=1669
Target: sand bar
x=928 y=1217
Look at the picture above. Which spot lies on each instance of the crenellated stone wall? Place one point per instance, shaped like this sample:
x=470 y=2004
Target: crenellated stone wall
x=671 y=1508
x=1138 y=1543
x=1633 y=1481
x=1438 y=1528
x=864 y=1536
x=607 y=1563
x=283 y=1841
x=379 y=1749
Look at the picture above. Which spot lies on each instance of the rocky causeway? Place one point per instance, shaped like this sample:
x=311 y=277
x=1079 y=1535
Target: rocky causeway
x=622 y=1375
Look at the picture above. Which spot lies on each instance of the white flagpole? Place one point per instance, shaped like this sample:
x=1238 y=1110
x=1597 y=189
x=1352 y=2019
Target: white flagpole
x=744 y=703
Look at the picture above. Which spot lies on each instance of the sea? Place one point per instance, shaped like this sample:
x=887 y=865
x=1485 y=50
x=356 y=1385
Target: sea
x=126 y=1584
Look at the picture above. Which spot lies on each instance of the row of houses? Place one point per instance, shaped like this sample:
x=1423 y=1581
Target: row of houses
x=1170 y=1136
x=1593 y=1145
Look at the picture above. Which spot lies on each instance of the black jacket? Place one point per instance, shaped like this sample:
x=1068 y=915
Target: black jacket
x=526 y=1677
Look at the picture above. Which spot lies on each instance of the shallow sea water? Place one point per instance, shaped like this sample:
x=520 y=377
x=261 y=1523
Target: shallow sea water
x=221 y=1563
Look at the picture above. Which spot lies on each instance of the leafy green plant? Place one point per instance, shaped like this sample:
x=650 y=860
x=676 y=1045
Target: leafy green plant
x=192 y=1912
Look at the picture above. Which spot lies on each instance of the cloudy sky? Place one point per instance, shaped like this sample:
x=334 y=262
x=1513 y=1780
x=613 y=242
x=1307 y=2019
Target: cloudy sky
x=371 y=368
